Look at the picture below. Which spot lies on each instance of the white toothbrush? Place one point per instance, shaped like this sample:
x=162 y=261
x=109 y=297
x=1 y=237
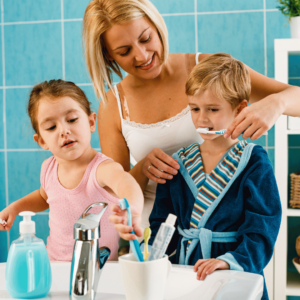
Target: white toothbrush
x=3 y=222
x=206 y=131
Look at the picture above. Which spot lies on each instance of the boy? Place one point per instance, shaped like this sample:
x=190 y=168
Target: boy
x=225 y=195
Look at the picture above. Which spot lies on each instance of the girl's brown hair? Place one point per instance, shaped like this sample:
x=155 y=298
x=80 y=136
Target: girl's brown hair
x=54 y=89
x=225 y=76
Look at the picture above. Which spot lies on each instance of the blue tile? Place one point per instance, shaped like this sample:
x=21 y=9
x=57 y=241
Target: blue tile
x=1 y=121
x=33 y=53
x=294 y=140
x=181 y=33
x=294 y=82
x=221 y=5
x=89 y=92
x=41 y=226
x=277 y=28
x=271 y=4
x=293 y=165
x=2 y=181
x=1 y=63
x=240 y=35
x=24 y=172
x=75 y=67
x=294 y=66
x=19 y=130
x=271 y=137
x=271 y=154
x=74 y=9
x=3 y=246
x=174 y=6
x=31 y=10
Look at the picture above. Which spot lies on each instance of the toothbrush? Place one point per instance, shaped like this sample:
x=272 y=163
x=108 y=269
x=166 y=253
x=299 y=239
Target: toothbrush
x=2 y=222
x=206 y=131
x=134 y=245
x=220 y=132
x=147 y=234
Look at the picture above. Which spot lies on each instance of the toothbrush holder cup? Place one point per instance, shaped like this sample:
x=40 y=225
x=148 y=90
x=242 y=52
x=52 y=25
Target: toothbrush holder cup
x=144 y=280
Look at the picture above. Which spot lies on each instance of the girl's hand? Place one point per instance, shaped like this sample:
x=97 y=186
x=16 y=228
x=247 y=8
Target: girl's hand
x=159 y=166
x=120 y=219
x=8 y=216
x=255 y=119
x=205 y=267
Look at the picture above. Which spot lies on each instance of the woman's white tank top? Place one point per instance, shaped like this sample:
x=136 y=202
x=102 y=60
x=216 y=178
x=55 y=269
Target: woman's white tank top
x=169 y=135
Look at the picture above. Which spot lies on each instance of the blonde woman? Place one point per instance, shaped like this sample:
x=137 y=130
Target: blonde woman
x=146 y=115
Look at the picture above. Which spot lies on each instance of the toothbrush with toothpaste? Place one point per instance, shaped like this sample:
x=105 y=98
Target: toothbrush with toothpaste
x=219 y=132
x=206 y=131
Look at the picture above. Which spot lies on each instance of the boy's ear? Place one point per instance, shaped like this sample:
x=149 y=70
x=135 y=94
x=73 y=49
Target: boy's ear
x=37 y=138
x=241 y=106
x=93 y=121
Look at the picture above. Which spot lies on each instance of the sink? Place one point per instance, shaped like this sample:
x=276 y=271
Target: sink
x=181 y=284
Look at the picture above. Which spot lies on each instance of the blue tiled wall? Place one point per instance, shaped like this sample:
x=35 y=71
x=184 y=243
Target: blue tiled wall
x=41 y=40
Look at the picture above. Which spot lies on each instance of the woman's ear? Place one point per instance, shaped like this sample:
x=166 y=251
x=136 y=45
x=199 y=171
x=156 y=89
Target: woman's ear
x=93 y=121
x=38 y=139
x=241 y=106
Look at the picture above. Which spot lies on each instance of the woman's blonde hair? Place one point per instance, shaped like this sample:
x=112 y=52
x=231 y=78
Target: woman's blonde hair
x=225 y=76
x=101 y=15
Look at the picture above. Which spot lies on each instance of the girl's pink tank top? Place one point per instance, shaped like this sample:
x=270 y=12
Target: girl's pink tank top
x=66 y=206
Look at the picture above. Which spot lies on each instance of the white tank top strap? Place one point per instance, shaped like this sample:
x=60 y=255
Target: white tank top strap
x=197 y=57
x=119 y=102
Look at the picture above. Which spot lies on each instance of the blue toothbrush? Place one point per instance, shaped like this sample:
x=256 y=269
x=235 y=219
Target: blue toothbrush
x=206 y=131
x=134 y=245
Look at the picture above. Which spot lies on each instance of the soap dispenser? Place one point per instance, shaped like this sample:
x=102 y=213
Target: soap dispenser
x=28 y=272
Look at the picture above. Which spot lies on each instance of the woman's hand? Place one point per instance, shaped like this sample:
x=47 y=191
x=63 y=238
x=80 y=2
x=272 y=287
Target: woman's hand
x=159 y=166
x=120 y=219
x=205 y=267
x=256 y=118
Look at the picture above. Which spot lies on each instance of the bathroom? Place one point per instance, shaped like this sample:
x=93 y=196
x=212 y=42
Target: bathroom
x=42 y=40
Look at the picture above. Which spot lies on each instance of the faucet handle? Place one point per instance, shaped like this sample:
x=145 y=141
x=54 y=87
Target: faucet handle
x=87 y=226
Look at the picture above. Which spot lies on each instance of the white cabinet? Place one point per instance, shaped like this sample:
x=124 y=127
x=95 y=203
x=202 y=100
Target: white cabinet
x=285 y=284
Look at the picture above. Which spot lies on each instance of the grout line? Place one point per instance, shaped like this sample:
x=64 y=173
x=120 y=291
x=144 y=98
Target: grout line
x=63 y=39
x=265 y=38
x=164 y=15
x=196 y=27
x=4 y=116
x=294 y=77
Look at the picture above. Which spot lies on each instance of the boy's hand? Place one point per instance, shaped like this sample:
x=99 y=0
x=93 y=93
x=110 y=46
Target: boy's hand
x=205 y=267
x=8 y=216
x=120 y=220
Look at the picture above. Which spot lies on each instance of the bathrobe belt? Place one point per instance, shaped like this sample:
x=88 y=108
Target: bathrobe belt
x=205 y=237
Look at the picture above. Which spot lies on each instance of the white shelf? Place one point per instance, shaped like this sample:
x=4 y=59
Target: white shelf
x=293 y=212
x=293 y=284
x=293 y=131
x=285 y=283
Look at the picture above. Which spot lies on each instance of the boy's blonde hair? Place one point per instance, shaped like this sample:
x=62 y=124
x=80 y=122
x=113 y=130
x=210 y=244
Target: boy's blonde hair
x=225 y=76
x=101 y=15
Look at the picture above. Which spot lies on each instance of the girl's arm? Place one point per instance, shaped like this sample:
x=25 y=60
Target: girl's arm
x=35 y=201
x=114 y=146
x=269 y=100
x=123 y=185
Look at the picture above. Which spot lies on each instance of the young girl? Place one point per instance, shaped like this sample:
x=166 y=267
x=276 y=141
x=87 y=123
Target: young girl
x=76 y=175
x=225 y=195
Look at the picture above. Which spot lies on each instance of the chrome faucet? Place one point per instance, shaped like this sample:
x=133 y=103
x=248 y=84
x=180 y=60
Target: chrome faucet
x=88 y=260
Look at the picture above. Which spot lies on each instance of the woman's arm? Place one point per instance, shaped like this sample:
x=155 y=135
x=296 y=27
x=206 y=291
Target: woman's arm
x=114 y=146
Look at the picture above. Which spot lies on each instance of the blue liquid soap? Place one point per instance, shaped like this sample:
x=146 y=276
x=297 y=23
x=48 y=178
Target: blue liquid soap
x=28 y=271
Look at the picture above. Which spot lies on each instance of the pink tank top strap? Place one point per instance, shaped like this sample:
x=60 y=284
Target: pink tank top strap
x=47 y=166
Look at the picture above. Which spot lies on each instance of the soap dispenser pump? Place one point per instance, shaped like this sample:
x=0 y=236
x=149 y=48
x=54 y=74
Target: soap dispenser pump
x=28 y=271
